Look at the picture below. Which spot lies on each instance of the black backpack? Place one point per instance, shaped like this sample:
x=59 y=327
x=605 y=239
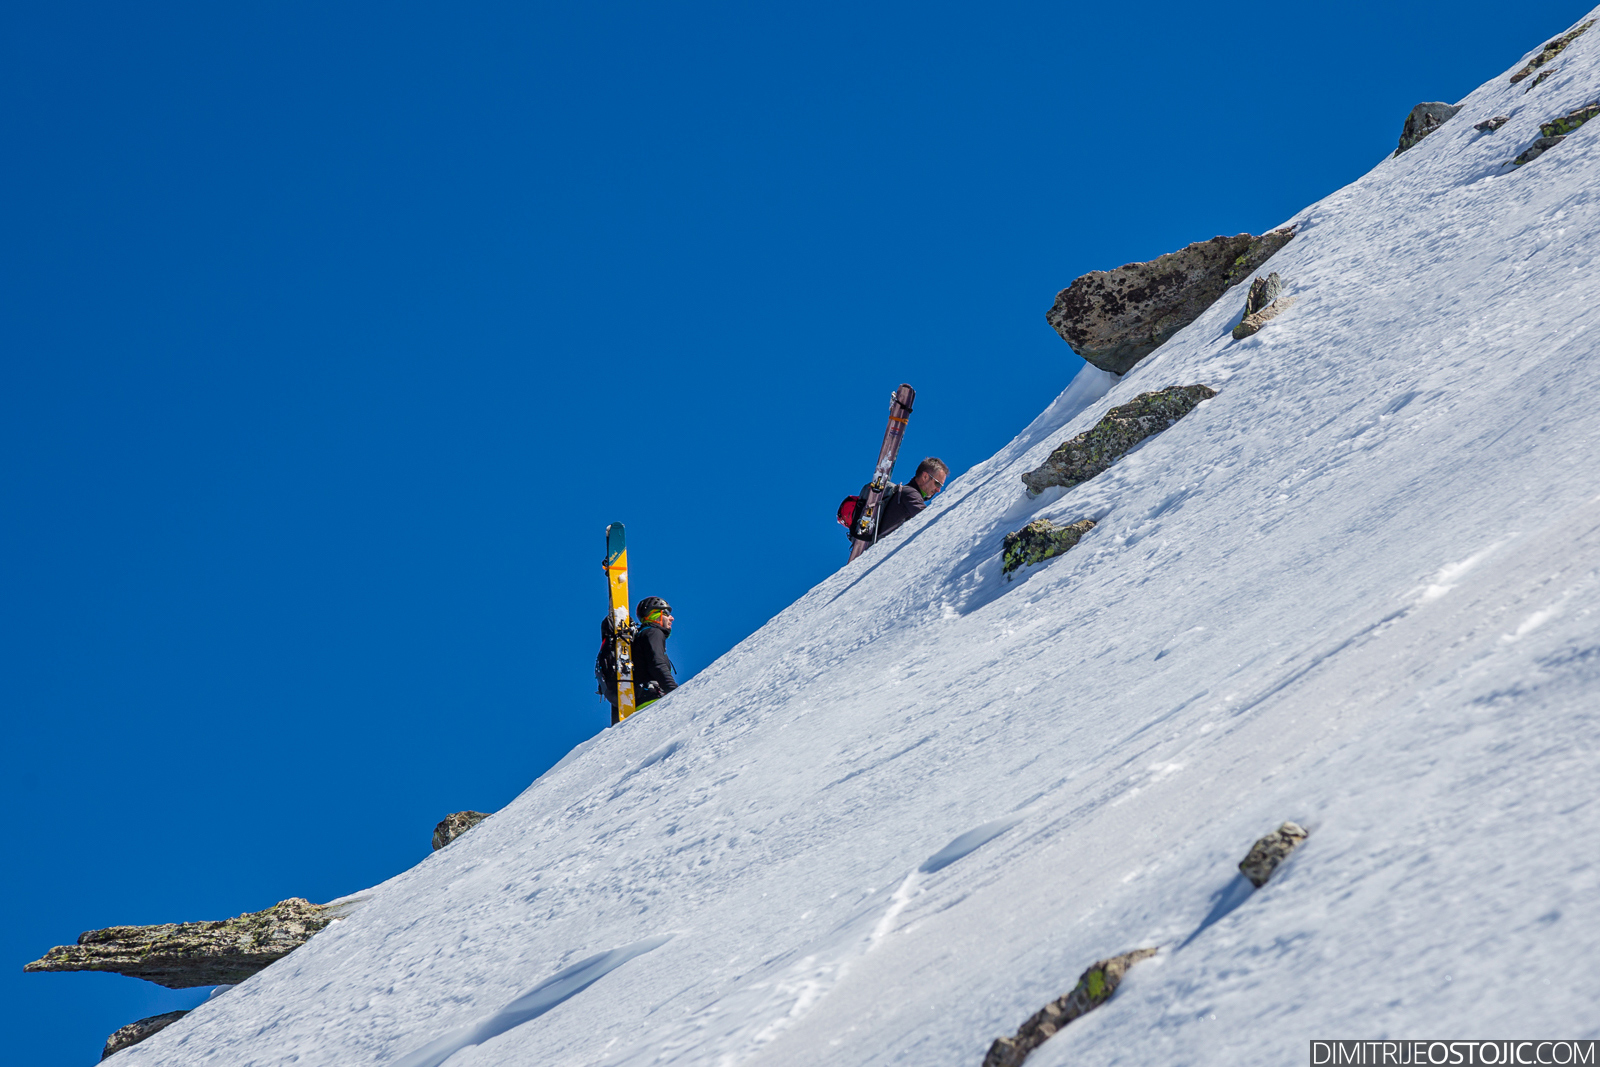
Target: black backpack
x=605 y=661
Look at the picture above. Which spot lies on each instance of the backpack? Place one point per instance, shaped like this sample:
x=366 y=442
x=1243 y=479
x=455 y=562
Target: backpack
x=850 y=510
x=605 y=661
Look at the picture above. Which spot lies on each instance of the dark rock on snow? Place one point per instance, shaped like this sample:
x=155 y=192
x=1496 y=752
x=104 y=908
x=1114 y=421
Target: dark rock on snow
x=1550 y=51
x=454 y=825
x=1555 y=131
x=185 y=955
x=1266 y=854
x=1491 y=125
x=1543 y=74
x=1082 y=457
x=1423 y=120
x=136 y=1032
x=1094 y=988
x=1262 y=305
x=1041 y=540
x=1115 y=318
x=1537 y=149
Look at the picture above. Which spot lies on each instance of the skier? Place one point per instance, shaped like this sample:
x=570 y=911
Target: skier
x=902 y=502
x=652 y=670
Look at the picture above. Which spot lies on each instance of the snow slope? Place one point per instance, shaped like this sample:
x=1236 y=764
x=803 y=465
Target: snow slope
x=1357 y=589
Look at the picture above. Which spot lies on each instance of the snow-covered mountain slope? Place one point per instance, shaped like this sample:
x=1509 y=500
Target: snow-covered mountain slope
x=1359 y=588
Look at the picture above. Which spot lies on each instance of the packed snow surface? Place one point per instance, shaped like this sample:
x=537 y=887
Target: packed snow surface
x=1357 y=589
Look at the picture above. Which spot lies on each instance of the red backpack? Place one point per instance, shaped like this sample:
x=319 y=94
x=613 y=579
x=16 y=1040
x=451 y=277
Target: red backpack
x=850 y=510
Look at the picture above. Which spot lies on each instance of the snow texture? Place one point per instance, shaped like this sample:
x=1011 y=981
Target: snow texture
x=1358 y=589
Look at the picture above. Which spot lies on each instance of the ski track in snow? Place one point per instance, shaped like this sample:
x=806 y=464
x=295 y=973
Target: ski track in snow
x=1359 y=589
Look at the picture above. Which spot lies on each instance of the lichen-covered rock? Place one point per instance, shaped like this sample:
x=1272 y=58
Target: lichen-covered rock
x=1570 y=121
x=1537 y=149
x=185 y=955
x=454 y=825
x=1262 y=305
x=1086 y=455
x=1423 y=120
x=1550 y=51
x=1094 y=988
x=1267 y=853
x=1040 y=540
x=136 y=1032
x=1115 y=318
x=1491 y=125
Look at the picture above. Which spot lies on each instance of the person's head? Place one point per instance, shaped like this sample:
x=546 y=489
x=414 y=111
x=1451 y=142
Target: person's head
x=930 y=476
x=653 y=611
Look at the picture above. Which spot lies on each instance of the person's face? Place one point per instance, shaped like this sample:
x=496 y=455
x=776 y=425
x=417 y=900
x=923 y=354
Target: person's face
x=665 y=621
x=929 y=482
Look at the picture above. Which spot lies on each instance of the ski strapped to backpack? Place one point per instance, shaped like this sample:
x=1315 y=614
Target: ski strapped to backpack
x=621 y=626
x=863 y=510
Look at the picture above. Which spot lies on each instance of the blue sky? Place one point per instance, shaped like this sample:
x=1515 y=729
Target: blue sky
x=332 y=337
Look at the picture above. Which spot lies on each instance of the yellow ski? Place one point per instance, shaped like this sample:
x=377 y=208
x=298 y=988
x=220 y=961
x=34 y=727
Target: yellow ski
x=616 y=567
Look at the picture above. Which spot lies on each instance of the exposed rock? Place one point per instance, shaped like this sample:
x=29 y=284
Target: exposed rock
x=1537 y=149
x=1570 y=121
x=454 y=825
x=1262 y=305
x=136 y=1032
x=1550 y=51
x=1252 y=323
x=1266 y=854
x=1263 y=291
x=1491 y=125
x=1543 y=74
x=184 y=955
x=1115 y=318
x=1040 y=540
x=1086 y=455
x=1094 y=988
x=1423 y=120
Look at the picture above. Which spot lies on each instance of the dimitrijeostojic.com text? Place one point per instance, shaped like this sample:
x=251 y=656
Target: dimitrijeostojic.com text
x=1467 y=1053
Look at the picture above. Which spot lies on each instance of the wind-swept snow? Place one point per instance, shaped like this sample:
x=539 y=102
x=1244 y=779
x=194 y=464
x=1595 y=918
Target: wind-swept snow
x=1357 y=589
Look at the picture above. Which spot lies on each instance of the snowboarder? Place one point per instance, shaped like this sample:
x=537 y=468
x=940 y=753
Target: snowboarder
x=902 y=502
x=652 y=670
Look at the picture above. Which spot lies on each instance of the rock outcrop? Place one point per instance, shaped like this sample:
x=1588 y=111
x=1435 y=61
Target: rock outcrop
x=1262 y=305
x=1094 y=988
x=1537 y=149
x=1423 y=120
x=1550 y=51
x=1570 y=121
x=1115 y=318
x=1040 y=540
x=185 y=955
x=136 y=1032
x=454 y=825
x=1266 y=854
x=1543 y=74
x=1491 y=125
x=1077 y=460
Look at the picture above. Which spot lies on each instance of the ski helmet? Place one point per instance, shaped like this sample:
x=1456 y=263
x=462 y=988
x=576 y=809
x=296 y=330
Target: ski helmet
x=649 y=605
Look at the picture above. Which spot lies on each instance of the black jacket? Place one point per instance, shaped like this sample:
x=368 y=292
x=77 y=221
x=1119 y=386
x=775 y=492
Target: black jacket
x=652 y=670
x=900 y=503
